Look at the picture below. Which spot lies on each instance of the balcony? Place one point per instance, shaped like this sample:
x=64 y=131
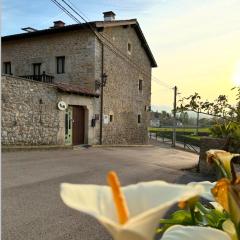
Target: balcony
x=40 y=78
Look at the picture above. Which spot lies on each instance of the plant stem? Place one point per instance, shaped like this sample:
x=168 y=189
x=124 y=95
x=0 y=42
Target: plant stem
x=202 y=208
x=193 y=214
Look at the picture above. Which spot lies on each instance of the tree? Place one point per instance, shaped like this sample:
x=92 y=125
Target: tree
x=220 y=107
x=226 y=116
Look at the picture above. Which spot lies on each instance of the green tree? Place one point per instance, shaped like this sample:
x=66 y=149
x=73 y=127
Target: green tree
x=225 y=115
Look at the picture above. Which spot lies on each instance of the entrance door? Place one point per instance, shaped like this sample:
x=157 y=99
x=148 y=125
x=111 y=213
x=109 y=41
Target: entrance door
x=78 y=125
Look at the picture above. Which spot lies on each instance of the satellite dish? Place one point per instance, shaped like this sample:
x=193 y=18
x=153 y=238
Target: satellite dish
x=62 y=105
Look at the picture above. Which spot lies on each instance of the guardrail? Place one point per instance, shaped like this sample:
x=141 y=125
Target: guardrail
x=41 y=78
x=185 y=139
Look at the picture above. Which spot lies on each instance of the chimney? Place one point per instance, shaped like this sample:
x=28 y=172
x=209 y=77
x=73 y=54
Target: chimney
x=58 y=24
x=109 y=16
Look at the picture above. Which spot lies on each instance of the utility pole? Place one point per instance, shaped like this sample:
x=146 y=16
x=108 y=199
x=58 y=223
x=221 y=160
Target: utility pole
x=174 y=116
x=197 y=122
x=101 y=99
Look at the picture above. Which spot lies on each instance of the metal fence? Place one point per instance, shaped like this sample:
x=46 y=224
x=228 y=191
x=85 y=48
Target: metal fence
x=185 y=137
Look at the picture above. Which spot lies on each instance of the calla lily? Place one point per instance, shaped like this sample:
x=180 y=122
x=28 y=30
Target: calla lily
x=223 y=160
x=207 y=186
x=179 y=232
x=227 y=193
x=147 y=202
x=217 y=206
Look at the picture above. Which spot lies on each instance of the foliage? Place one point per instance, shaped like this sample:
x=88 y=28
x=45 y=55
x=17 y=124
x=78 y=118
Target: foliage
x=220 y=107
x=182 y=130
x=230 y=131
x=226 y=116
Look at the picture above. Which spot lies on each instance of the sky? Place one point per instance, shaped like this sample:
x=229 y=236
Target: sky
x=196 y=43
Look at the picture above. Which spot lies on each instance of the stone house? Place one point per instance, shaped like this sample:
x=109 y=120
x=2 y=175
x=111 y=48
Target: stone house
x=58 y=74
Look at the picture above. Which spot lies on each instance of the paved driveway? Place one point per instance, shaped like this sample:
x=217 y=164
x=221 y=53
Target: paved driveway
x=32 y=208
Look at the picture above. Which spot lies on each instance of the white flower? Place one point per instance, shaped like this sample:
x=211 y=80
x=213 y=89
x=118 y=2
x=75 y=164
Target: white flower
x=207 y=189
x=147 y=203
x=179 y=232
x=217 y=206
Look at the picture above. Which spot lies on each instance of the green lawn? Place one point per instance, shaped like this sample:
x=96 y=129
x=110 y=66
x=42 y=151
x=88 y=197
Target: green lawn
x=205 y=130
x=184 y=135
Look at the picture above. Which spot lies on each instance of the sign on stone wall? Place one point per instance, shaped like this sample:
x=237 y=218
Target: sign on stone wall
x=105 y=119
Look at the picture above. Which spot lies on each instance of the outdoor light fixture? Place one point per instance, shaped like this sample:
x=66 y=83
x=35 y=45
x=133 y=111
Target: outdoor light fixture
x=101 y=83
x=104 y=79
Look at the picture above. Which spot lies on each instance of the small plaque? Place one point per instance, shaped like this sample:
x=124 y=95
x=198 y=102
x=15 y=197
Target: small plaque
x=62 y=105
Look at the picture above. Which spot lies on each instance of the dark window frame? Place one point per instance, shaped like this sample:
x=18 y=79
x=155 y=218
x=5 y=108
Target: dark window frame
x=140 y=85
x=129 y=47
x=7 y=68
x=37 y=69
x=60 y=60
x=111 y=118
x=139 y=118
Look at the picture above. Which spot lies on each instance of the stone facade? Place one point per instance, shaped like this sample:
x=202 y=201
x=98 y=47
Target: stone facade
x=122 y=97
x=76 y=46
x=30 y=115
x=123 y=102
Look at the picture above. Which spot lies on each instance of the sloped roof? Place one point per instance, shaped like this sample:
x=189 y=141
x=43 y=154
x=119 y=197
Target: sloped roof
x=95 y=25
x=76 y=89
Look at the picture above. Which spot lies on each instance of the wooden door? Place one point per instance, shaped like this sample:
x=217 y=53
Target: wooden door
x=78 y=125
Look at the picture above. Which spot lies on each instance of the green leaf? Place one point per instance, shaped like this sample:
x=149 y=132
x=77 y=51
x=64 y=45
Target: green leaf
x=181 y=217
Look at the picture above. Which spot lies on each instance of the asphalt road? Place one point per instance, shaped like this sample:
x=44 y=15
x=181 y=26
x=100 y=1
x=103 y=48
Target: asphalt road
x=31 y=205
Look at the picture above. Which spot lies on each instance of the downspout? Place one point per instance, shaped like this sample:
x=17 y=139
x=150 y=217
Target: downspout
x=101 y=101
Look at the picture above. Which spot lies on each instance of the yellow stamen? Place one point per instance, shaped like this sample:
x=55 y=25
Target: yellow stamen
x=118 y=197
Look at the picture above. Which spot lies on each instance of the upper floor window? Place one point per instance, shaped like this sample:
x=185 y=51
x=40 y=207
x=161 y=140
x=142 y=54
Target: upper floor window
x=140 y=85
x=110 y=118
x=7 y=67
x=36 y=69
x=60 y=65
x=139 y=118
x=129 y=47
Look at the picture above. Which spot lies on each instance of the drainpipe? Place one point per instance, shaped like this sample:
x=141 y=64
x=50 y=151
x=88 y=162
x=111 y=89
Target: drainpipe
x=101 y=106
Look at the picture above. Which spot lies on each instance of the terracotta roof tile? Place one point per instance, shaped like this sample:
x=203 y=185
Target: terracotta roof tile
x=72 y=88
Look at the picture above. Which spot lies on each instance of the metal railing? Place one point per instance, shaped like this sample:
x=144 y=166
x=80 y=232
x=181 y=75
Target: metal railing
x=41 y=78
x=186 y=139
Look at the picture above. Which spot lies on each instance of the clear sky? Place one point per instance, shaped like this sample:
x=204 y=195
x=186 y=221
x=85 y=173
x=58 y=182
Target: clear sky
x=196 y=42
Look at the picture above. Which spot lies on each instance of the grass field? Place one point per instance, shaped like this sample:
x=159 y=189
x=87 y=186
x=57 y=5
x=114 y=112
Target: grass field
x=184 y=135
x=203 y=130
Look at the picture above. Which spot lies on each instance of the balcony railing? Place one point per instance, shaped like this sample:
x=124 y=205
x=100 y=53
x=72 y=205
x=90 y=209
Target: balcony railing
x=41 y=78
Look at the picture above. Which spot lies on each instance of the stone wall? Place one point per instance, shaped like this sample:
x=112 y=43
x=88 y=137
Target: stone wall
x=206 y=144
x=76 y=46
x=122 y=98
x=29 y=113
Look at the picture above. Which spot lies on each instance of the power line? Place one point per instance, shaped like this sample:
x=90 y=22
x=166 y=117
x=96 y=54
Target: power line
x=66 y=11
x=109 y=43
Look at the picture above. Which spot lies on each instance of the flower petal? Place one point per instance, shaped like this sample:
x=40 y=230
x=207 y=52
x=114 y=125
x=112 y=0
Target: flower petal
x=217 y=206
x=147 y=203
x=207 y=189
x=179 y=232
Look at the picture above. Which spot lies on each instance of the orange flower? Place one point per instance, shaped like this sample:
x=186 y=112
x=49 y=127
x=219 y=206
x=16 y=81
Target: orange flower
x=221 y=191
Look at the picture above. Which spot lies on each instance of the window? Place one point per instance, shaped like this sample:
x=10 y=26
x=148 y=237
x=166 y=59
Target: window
x=139 y=118
x=60 y=65
x=36 y=69
x=140 y=85
x=7 y=67
x=129 y=48
x=110 y=118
